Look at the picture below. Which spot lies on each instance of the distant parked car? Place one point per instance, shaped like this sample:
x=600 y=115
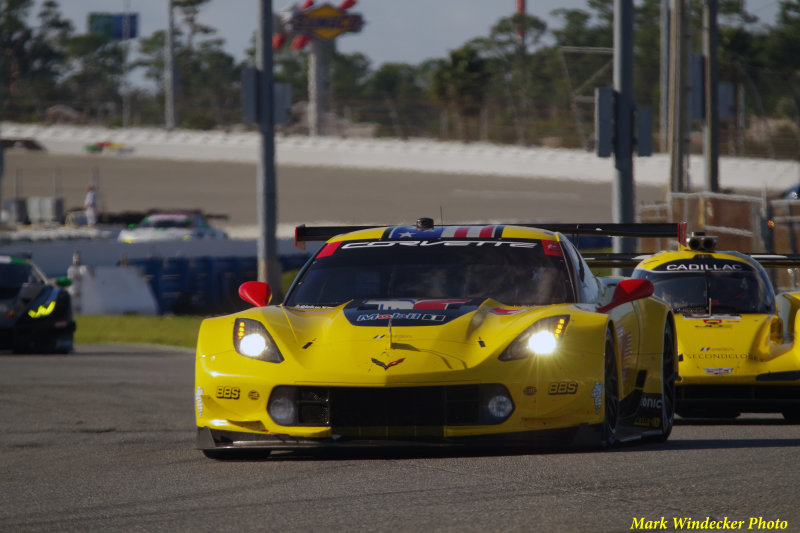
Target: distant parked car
x=35 y=313
x=792 y=193
x=171 y=226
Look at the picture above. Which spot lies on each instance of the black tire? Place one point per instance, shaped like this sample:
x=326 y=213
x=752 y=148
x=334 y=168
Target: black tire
x=792 y=417
x=668 y=394
x=52 y=345
x=59 y=345
x=610 y=394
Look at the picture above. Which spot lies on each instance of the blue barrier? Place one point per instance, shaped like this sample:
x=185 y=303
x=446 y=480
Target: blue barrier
x=203 y=285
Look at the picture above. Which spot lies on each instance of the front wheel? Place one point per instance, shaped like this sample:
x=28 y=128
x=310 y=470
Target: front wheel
x=610 y=394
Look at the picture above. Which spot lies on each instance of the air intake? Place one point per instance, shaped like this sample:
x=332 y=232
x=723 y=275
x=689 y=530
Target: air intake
x=425 y=223
x=700 y=242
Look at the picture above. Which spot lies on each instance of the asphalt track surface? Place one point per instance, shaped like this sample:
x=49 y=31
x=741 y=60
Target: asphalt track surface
x=309 y=194
x=103 y=440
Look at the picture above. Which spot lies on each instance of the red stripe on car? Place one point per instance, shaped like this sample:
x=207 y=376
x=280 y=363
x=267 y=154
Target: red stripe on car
x=328 y=249
x=552 y=248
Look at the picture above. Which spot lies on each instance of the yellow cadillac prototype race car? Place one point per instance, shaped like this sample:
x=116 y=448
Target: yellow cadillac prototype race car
x=438 y=335
x=736 y=338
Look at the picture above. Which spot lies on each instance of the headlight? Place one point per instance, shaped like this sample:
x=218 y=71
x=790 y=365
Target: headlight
x=251 y=339
x=496 y=404
x=540 y=339
x=42 y=310
x=281 y=406
x=500 y=407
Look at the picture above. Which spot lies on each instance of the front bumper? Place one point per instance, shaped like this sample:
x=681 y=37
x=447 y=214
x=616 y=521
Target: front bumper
x=36 y=336
x=582 y=435
x=761 y=397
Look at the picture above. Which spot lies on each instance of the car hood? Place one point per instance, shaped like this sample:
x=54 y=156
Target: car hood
x=710 y=339
x=416 y=336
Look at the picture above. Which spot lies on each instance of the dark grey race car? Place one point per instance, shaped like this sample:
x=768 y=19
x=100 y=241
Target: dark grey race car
x=35 y=314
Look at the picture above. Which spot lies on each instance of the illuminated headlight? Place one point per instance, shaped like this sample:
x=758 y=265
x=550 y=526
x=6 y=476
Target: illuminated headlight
x=541 y=338
x=251 y=339
x=42 y=310
x=542 y=342
x=253 y=344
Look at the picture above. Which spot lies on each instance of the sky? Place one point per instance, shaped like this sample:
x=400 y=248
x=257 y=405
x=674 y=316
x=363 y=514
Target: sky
x=406 y=31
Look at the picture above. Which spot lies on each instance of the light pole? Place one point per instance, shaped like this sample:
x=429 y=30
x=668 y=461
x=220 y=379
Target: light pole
x=169 y=71
x=623 y=193
x=269 y=269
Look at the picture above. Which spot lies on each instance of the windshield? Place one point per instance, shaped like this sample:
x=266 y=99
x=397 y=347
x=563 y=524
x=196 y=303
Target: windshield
x=711 y=292
x=13 y=276
x=514 y=273
x=167 y=221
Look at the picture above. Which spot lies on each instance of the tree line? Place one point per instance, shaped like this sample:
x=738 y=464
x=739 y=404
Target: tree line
x=525 y=82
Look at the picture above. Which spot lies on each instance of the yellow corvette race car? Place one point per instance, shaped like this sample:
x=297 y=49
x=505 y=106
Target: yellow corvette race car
x=438 y=335
x=736 y=346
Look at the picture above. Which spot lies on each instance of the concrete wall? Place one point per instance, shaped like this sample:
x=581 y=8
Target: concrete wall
x=416 y=154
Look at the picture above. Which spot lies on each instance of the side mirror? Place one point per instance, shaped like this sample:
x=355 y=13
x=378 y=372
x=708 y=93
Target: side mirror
x=257 y=293
x=63 y=281
x=628 y=290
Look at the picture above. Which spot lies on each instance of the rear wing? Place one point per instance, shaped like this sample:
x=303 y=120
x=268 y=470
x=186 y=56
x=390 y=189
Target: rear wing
x=614 y=260
x=305 y=233
x=631 y=260
x=777 y=260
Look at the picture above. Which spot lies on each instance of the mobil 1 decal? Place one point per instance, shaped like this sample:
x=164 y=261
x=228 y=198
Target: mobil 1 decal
x=407 y=312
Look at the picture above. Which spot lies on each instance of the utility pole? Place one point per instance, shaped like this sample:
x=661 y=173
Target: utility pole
x=318 y=85
x=269 y=268
x=711 y=129
x=663 y=111
x=169 y=71
x=126 y=35
x=678 y=97
x=623 y=192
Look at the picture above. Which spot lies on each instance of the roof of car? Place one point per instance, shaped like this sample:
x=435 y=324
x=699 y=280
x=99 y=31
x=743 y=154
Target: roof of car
x=12 y=259
x=491 y=231
x=170 y=214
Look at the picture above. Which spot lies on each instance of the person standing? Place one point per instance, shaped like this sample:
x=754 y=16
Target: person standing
x=90 y=205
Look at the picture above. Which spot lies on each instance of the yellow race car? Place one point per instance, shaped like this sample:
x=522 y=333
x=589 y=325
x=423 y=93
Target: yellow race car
x=438 y=335
x=735 y=336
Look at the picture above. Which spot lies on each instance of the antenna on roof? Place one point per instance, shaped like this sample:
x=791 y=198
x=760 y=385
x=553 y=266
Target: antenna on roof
x=441 y=215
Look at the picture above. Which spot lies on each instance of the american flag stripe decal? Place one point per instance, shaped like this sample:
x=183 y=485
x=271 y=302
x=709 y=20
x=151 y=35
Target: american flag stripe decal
x=445 y=232
x=472 y=232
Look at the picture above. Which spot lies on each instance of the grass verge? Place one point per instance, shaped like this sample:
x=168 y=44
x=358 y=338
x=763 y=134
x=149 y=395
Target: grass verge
x=170 y=330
